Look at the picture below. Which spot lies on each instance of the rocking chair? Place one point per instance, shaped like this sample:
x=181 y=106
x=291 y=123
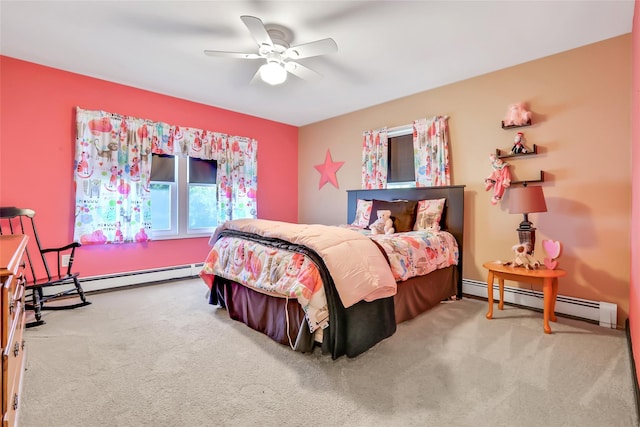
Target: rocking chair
x=38 y=275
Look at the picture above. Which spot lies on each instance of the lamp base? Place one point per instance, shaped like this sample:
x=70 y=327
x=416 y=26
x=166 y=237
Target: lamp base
x=527 y=236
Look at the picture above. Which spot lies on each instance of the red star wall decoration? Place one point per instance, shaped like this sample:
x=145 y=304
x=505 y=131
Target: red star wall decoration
x=328 y=171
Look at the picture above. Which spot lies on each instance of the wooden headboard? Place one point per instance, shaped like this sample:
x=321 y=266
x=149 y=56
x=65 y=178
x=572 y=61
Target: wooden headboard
x=453 y=214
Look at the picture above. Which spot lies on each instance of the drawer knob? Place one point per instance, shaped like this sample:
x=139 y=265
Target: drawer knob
x=16 y=349
x=15 y=402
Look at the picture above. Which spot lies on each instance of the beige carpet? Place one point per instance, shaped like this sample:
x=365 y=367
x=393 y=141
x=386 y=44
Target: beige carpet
x=161 y=356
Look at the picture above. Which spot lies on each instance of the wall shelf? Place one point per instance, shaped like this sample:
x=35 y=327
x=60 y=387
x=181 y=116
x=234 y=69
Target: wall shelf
x=528 y=181
x=515 y=126
x=504 y=154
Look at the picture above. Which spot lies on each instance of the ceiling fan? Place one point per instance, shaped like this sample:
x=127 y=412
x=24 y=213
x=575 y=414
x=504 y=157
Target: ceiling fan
x=273 y=47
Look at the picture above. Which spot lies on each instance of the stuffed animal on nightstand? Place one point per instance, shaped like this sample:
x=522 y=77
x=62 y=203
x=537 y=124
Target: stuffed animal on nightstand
x=384 y=223
x=523 y=259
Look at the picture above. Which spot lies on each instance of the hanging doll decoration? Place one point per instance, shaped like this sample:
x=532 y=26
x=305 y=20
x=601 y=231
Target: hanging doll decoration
x=499 y=179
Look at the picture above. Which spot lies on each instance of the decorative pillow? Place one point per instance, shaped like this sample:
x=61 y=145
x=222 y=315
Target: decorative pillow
x=429 y=214
x=403 y=213
x=363 y=213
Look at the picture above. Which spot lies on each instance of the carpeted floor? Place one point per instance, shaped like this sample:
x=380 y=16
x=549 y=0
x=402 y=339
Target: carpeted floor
x=161 y=356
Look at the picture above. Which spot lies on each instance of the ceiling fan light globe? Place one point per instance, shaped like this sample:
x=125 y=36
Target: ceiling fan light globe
x=273 y=73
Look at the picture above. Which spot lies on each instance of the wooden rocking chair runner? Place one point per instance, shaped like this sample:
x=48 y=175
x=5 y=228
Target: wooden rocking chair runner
x=38 y=275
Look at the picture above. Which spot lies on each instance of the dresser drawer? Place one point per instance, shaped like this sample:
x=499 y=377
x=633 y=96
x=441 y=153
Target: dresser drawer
x=13 y=360
x=13 y=292
x=11 y=416
x=6 y=307
x=18 y=293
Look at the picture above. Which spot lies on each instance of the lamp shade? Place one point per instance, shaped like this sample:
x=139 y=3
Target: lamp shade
x=525 y=200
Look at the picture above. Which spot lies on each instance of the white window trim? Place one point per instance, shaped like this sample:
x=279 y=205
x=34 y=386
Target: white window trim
x=172 y=232
x=393 y=133
x=180 y=210
x=196 y=232
x=399 y=131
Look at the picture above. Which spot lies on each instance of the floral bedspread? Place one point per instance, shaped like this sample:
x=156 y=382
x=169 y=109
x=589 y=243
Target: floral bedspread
x=416 y=253
x=293 y=275
x=271 y=270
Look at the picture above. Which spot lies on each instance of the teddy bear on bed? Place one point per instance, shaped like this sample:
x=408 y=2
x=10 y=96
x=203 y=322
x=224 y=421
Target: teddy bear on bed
x=384 y=223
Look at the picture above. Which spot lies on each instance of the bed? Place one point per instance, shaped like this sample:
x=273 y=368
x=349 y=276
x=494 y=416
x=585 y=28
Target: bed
x=263 y=252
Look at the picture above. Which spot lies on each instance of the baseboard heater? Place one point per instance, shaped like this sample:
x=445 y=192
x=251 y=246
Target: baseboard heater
x=603 y=313
x=132 y=278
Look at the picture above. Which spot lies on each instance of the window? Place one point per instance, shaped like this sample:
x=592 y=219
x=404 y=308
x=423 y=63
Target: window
x=401 y=167
x=183 y=197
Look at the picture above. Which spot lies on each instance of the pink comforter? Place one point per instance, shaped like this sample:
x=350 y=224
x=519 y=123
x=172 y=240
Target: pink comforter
x=358 y=268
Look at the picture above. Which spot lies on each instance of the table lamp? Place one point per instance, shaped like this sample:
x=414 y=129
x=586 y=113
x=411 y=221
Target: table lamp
x=526 y=200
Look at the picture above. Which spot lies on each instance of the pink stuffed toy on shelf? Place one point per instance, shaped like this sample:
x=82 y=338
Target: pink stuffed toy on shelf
x=499 y=179
x=517 y=115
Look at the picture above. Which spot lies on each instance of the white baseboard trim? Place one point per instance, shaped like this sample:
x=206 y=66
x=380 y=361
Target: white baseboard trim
x=604 y=313
x=130 y=278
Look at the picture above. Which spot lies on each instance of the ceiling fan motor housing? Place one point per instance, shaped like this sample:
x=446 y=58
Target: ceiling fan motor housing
x=280 y=44
x=274 y=57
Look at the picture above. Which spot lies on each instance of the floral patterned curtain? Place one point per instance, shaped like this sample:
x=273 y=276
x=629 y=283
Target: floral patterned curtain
x=113 y=170
x=431 y=151
x=375 y=153
x=237 y=177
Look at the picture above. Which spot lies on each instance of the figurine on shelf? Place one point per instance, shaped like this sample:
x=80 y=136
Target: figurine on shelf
x=517 y=115
x=518 y=145
x=499 y=179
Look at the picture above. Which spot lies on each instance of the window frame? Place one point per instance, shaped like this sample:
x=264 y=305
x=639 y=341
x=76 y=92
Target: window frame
x=180 y=227
x=207 y=231
x=394 y=133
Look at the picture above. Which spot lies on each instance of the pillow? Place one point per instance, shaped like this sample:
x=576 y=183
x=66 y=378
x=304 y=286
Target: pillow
x=429 y=214
x=403 y=213
x=363 y=213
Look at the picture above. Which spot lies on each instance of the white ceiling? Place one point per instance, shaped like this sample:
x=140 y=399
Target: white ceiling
x=386 y=49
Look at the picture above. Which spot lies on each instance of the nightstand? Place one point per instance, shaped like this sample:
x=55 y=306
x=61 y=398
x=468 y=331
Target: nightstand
x=547 y=278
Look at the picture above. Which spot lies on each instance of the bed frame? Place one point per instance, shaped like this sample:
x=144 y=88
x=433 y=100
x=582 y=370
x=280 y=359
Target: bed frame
x=355 y=329
x=452 y=215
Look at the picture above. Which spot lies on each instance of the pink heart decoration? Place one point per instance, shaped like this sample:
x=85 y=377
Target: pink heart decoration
x=550 y=264
x=552 y=248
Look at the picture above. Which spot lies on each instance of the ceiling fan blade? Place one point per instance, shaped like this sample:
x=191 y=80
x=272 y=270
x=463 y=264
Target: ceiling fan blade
x=257 y=30
x=238 y=55
x=307 y=50
x=301 y=71
x=256 y=78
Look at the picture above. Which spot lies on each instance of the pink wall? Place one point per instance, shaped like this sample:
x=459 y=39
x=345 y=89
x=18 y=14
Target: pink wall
x=36 y=157
x=634 y=286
